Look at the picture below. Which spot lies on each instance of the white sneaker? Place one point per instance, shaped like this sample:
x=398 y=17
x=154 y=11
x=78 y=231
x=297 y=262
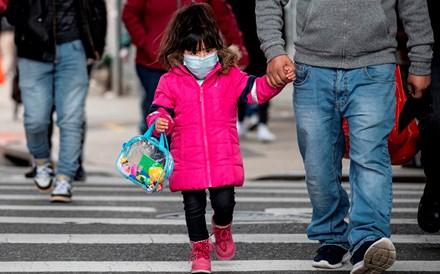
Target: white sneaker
x=264 y=134
x=241 y=129
x=43 y=175
x=62 y=191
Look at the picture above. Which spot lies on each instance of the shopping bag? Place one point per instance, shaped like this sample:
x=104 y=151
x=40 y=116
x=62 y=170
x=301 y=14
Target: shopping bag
x=146 y=161
x=402 y=147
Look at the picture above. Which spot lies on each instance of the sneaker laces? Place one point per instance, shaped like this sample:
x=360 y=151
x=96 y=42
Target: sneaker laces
x=62 y=185
x=43 y=170
x=201 y=249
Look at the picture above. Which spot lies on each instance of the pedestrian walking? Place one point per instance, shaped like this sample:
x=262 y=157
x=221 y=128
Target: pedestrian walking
x=146 y=22
x=344 y=65
x=54 y=39
x=196 y=103
x=428 y=216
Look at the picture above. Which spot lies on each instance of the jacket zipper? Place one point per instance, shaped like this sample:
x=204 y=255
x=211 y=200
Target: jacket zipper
x=54 y=16
x=205 y=138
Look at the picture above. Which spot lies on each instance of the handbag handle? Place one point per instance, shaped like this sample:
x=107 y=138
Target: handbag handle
x=163 y=141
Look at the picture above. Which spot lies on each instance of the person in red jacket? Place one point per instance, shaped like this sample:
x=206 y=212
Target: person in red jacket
x=146 y=20
x=196 y=103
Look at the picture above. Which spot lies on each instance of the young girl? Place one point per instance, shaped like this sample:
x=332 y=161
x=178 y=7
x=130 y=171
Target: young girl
x=196 y=103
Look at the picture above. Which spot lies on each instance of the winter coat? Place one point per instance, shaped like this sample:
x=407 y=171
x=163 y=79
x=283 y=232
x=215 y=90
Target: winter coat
x=34 y=27
x=202 y=119
x=146 y=21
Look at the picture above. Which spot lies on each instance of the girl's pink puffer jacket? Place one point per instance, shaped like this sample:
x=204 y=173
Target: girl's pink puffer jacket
x=204 y=139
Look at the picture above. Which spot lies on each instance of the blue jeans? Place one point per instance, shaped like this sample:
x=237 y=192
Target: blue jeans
x=62 y=85
x=149 y=79
x=366 y=97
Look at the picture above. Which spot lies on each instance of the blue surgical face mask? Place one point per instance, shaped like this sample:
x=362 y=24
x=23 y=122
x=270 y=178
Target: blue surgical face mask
x=200 y=66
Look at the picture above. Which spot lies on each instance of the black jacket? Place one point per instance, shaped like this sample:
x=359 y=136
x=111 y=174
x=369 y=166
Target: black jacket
x=35 y=27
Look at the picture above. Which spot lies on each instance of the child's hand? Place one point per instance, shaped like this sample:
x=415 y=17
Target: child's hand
x=161 y=125
x=290 y=73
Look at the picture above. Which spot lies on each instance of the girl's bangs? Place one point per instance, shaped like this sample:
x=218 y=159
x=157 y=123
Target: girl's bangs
x=193 y=41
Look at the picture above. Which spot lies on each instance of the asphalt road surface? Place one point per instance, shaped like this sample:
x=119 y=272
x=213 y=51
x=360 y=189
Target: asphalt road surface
x=113 y=226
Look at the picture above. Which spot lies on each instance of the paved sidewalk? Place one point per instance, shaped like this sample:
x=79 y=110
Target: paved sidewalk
x=113 y=120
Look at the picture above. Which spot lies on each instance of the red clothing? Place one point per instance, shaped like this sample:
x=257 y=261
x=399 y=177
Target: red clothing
x=3 y=5
x=204 y=139
x=146 y=20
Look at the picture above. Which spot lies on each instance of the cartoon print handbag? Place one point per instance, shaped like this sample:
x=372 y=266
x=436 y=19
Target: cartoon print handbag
x=146 y=161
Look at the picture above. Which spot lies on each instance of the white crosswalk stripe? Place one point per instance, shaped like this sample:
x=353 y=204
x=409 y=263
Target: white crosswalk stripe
x=112 y=226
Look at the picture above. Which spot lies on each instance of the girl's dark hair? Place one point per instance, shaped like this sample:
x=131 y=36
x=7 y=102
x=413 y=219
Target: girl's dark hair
x=189 y=26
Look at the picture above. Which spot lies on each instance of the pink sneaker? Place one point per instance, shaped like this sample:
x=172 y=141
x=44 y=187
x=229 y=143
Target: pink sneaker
x=201 y=256
x=224 y=244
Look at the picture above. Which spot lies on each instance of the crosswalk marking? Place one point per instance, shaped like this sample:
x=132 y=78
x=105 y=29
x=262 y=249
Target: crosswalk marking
x=116 y=181
x=182 y=238
x=163 y=198
x=114 y=189
x=183 y=266
x=274 y=211
x=78 y=208
x=145 y=221
x=105 y=209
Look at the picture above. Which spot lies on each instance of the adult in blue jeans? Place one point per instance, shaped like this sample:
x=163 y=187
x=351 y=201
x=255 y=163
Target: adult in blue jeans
x=345 y=62
x=55 y=39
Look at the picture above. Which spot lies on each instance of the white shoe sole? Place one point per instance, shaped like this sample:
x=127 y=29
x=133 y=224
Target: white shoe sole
x=380 y=256
x=326 y=265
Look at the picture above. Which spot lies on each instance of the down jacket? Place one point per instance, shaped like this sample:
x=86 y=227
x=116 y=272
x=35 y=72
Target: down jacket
x=202 y=119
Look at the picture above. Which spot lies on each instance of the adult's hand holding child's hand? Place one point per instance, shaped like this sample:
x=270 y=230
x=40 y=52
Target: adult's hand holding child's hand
x=276 y=75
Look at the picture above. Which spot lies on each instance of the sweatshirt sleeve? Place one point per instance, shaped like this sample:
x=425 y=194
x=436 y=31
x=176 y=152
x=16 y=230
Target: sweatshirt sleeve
x=269 y=18
x=416 y=22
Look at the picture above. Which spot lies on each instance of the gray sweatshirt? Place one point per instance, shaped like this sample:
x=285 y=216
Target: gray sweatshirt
x=348 y=34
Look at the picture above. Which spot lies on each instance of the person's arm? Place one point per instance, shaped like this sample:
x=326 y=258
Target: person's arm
x=132 y=16
x=269 y=18
x=228 y=26
x=416 y=22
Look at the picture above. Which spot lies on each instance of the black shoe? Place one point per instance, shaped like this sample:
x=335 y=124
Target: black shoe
x=330 y=256
x=31 y=173
x=80 y=175
x=373 y=257
x=428 y=215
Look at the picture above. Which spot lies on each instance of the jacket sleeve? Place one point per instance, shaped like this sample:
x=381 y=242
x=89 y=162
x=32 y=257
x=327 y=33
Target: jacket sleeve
x=162 y=107
x=132 y=16
x=228 y=26
x=252 y=89
x=17 y=13
x=3 y=5
x=98 y=24
x=269 y=19
x=416 y=22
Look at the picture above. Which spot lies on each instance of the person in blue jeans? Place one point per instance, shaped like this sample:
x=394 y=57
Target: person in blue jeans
x=55 y=39
x=344 y=65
